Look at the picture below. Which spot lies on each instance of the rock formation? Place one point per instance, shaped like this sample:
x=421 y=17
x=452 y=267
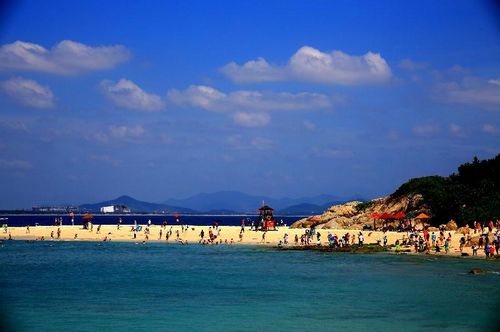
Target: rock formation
x=354 y=215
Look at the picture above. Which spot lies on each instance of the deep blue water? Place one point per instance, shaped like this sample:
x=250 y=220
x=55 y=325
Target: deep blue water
x=87 y=286
x=46 y=220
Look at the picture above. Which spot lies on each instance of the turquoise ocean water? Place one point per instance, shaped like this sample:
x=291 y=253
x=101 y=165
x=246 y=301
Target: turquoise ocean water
x=86 y=286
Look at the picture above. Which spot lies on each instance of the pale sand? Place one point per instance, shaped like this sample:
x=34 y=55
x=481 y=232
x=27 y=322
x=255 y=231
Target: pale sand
x=192 y=236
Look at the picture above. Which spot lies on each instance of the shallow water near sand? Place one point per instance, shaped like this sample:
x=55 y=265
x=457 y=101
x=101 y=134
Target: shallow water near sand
x=89 y=286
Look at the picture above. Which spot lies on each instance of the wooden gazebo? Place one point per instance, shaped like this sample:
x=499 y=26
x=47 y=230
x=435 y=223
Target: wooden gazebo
x=266 y=218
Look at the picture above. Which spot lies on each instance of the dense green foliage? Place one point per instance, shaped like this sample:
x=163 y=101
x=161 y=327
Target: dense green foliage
x=363 y=206
x=473 y=193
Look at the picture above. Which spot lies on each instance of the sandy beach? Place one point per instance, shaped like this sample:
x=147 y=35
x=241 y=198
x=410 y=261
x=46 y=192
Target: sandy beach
x=227 y=235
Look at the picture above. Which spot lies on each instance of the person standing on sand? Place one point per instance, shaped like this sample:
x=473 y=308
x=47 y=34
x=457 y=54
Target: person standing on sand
x=462 y=244
x=360 y=239
x=98 y=229
x=487 y=250
x=52 y=235
x=161 y=233
x=264 y=237
x=447 y=245
x=58 y=233
x=28 y=229
x=474 y=249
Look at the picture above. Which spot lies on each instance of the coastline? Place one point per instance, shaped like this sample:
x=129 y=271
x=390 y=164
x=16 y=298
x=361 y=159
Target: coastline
x=228 y=235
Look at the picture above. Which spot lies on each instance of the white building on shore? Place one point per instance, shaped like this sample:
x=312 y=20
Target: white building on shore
x=115 y=209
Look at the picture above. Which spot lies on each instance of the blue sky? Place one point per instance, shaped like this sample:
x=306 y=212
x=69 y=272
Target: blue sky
x=167 y=99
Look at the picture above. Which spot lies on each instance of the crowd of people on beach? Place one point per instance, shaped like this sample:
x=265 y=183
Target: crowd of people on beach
x=483 y=237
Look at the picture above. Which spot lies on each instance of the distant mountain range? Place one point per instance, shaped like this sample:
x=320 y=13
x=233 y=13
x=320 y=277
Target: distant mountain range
x=136 y=206
x=241 y=202
x=227 y=202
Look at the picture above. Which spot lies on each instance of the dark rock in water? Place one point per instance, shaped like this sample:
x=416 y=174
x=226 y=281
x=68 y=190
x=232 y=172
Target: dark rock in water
x=477 y=271
x=465 y=254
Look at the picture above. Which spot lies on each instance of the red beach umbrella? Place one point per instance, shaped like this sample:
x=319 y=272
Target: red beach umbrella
x=87 y=216
x=400 y=215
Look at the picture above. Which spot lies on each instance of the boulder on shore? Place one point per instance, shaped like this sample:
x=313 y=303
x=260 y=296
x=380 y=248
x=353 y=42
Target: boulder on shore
x=355 y=215
x=451 y=225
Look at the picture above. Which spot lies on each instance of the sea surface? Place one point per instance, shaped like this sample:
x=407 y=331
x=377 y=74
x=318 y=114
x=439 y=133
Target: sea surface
x=90 y=286
x=128 y=219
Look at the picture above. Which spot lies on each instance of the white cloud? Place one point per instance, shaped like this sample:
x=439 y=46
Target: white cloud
x=127 y=94
x=248 y=108
x=490 y=129
x=255 y=143
x=243 y=100
x=411 y=65
x=425 y=130
x=253 y=71
x=251 y=119
x=470 y=91
x=18 y=165
x=198 y=96
x=495 y=81
x=119 y=133
x=28 y=92
x=310 y=64
x=67 y=57
x=331 y=153
x=124 y=132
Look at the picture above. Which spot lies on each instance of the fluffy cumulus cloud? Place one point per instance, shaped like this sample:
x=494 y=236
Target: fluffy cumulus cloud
x=253 y=71
x=66 y=57
x=248 y=108
x=251 y=119
x=120 y=133
x=470 y=91
x=312 y=65
x=127 y=94
x=28 y=92
x=211 y=99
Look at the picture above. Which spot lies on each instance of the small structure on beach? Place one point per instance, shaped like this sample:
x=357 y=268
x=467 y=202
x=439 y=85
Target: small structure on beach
x=266 y=218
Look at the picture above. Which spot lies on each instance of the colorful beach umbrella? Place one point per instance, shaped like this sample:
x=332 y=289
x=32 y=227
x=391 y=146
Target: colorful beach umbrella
x=422 y=216
x=409 y=215
x=400 y=215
